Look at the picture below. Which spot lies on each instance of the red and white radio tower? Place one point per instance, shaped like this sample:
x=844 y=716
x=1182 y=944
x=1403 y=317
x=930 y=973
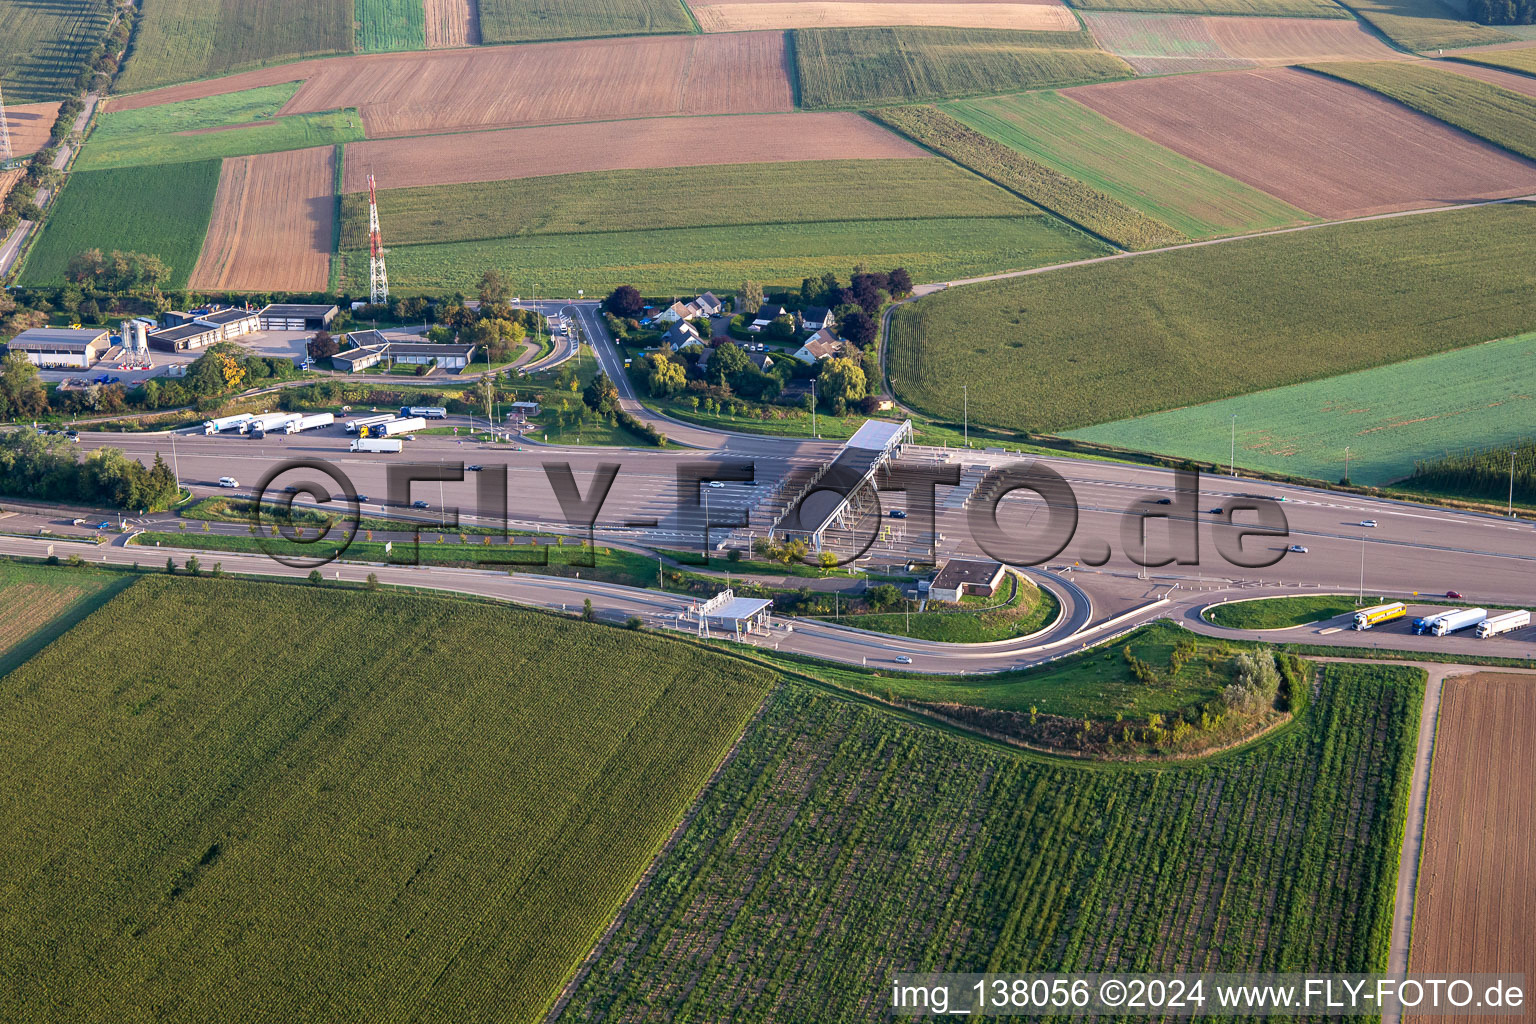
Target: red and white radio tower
x=5 y=134
x=378 y=280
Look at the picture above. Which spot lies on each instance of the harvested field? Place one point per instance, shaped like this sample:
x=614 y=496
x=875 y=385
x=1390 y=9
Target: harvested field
x=775 y=14
x=1272 y=8
x=1161 y=44
x=1320 y=145
x=452 y=23
x=506 y=86
x=30 y=126
x=518 y=21
x=610 y=146
x=273 y=222
x=1289 y=40
x=1475 y=907
x=1523 y=84
x=1173 y=43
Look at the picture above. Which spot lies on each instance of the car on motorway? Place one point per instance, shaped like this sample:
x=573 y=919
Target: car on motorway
x=104 y=525
x=474 y=467
x=410 y=437
x=418 y=503
x=1299 y=549
x=228 y=481
x=714 y=483
x=1216 y=511
x=1454 y=595
x=897 y=513
x=78 y=522
x=1162 y=501
x=902 y=659
x=291 y=489
x=1369 y=523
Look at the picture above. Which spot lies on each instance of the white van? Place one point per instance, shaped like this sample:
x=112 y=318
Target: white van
x=228 y=481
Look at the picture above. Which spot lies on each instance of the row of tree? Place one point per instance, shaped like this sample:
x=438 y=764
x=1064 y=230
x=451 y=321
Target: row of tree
x=1502 y=12
x=48 y=469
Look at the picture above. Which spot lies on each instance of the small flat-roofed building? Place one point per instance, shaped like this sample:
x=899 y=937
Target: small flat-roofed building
x=287 y=316
x=447 y=357
x=231 y=322
x=374 y=347
x=61 y=346
x=961 y=576
x=355 y=359
x=186 y=337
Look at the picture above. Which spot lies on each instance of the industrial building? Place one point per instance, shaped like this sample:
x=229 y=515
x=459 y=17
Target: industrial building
x=61 y=346
x=375 y=347
x=961 y=576
x=184 y=332
x=284 y=316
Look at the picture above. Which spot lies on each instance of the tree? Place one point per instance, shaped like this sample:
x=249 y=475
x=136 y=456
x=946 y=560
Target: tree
x=750 y=298
x=170 y=567
x=840 y=381
x=782 y=328
x=666 y=377
x=372 y=582
x=859 y=328
x=22 y=394
x=900 y=283
x=883 y=596
x=624 y=301
x=587 y=614
x=194 y=567
x=217 y=371
x=322 y=346
x=493 y=288
x=726 y=361
x=315 y=577
x=601 y=396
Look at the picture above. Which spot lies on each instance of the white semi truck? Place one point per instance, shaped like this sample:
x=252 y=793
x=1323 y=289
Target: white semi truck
x=378 y=444
x=302 y=423
x=1508 y=622
x=1455 y=622
x=270 y=421
x=353 y=426
x=224 y=423
x=396 y=427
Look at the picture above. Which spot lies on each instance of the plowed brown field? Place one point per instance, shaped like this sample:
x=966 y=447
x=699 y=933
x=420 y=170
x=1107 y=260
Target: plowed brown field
x=452 y=23
x=1293 y=40
x=544 y=83
x=1325 y=146
x=1475 y=906
x=1524 y=84
x=777 y=14
x=273 y=220
x=30 y=126
x=618 y=145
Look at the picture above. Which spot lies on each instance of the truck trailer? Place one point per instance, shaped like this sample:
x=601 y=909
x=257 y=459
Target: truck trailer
x=378 y=444
x=270 y=421
x=1427 y=623
x=395 y=427
x=302 y=423
x=1365 y=618
x=426 y=412
x=353 y=426
x=224 y=423
x=1455 y=622
x=1505 y=623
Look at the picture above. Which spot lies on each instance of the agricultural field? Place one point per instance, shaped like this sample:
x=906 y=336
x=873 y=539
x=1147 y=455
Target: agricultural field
x=222 y=111
x=387 y=25
x=273 y=224
x=874 y=66
x=620 y=145
x=30 y=126
x=739 y=16
x=1174 y=43
x=1487 y=471
x=1391 y=417
x=455 y=815
x=1477 y=866
x=1174 y=329
x=843 y=843
x=517 y=21
x=1513 y=81
x=1317 y=143
x=300 y=131
x=1258 y=8
x=163 y=211
x=1426 y=24
x=1073 y=140
x=1062 y=194
x=186 y=40
x=681 y=197
x=46 y=46
x=678 y=260
x=1503 y=117
x=452 y=22
x=1161 y=44
x=39 y=603
x=1521 y=59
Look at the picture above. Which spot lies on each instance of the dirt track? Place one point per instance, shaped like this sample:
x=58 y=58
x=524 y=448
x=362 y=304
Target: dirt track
x=1475 y=907
x=732 y=16
x=30 y=126
x=452 y=23
x=618 y=145
x=273 y=219
x=1327 y=147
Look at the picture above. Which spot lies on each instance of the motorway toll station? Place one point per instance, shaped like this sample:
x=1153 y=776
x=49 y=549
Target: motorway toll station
x=725 y=614
x=834 y=498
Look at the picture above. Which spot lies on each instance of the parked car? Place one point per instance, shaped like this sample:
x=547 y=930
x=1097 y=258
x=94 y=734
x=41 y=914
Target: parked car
x=78 y=522
x=228 y=481
x=103 y=525
x=1299 y=549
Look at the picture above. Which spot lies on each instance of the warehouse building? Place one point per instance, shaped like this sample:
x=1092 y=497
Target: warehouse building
x=375 y=347
x=283 y=316
x=59 y=346
x=184 y=332
x=185 y=337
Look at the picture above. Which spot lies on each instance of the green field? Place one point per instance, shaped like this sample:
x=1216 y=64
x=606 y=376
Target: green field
x=1086 y=345
x=1162 y=184
x=185 y=40
x=163 y=211
x=1426 y=24
x=424 y=817
x=851 y=67
x=1263 y=8
x=679 y=197
x=1522 y=60
x=678 y=260
x=1390 y=417
x=45 y=46
x=514 y=21
x=1501 y=116
x=243 y=107
x=1284 y=612
x=842 y=845
x=1053 y=190
x=384 y=25
x=39 y=603
x=300 y=131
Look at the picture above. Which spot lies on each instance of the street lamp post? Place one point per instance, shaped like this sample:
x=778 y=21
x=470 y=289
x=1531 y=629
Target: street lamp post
x=814 y=432
x=965 y=390
x=1361 y=599
x=1232 y=465
x=1511 y=483
x=1346 y=464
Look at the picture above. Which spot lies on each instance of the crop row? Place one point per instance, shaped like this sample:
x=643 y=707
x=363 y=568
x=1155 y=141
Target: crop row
x=1060 y=193
x=842 y=845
